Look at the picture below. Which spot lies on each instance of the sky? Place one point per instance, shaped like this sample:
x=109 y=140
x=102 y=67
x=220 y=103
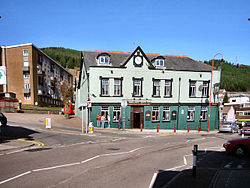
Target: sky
x=196 y=28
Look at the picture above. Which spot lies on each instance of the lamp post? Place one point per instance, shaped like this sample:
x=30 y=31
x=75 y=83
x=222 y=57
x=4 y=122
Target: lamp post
x=210 y=93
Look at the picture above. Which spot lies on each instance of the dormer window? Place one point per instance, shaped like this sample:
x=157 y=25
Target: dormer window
x=103 y=60
x=159 y=62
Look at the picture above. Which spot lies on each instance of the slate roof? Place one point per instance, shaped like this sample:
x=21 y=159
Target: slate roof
x=172 y=62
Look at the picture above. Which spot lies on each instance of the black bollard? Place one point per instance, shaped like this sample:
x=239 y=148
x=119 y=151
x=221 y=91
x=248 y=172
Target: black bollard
x=195 y=151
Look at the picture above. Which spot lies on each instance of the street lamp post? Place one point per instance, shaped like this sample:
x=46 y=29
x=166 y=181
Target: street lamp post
x=210 y=93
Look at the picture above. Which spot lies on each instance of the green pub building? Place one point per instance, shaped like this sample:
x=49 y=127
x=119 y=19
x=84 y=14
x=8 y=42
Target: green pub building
x=159 y=89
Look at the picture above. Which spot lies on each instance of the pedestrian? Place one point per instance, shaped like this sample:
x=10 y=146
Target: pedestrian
x=108 y=121
x=103 y=121
x=98 y=118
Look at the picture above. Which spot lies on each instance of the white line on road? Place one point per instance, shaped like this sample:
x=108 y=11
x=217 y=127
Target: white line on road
x=23 y=174
x=153 y=180
x=70 y=164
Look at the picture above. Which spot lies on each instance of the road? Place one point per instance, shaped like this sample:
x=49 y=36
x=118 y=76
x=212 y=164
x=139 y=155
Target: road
x=107 y=160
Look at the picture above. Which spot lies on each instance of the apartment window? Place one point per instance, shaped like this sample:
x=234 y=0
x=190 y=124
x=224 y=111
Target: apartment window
x=192 y=88
x=117 y=87
x=103 y=60
x=25 y=63
x=116 y=113
x=168 y=88
x=191 y=111
x=156 y=88
x=166 y=113
x=105 y=111
x=25 y=52
x=27 y=97
x=105 y=87
x=156 y=113
x=26 y=75
x=137 y=87
x=27 y=86
x=203 y=113
x=205 y=89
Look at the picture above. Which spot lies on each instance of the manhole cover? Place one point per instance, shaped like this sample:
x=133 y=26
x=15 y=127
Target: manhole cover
x=113 y=149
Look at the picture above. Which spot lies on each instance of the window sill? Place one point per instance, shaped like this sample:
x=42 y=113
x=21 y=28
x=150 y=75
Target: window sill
x=105 y=96
x=190 y=120
x=165 y=120
x=155 y=121
x=168 y=96
x=156 y=96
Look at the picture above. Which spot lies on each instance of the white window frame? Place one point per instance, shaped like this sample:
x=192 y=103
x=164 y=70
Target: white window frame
x=137 y=83
x=156 y=88
x=25 y=52
x=204 y=89
x=159 y=62
x=192 y=89
x=167 y=88
x=117 y=87
x=104 y=87
x=104 y=60
x=116 y=113
x=155 y=113
x=105 y=111
x=203 y=113
x=26 y=85
x=25 y=63
x=191 y=113
x=166 y=113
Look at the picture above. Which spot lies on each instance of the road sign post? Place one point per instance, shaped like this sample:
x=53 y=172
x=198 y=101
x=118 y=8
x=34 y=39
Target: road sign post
x=124 y=103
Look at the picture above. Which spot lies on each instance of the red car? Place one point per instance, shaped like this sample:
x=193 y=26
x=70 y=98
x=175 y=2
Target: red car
x=246 y=128
x=239 y=147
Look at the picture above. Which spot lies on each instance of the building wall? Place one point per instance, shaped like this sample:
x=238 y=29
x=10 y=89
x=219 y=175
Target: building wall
x=15 y=76
x=16 y=81
x=179 y=101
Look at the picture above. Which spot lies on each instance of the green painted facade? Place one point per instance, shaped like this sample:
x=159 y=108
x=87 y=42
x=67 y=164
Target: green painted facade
x=178 y=101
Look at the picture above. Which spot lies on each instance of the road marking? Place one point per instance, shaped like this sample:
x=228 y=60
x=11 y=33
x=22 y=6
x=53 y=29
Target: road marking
x=70 y=164
x=15 y=177
x=38 y=144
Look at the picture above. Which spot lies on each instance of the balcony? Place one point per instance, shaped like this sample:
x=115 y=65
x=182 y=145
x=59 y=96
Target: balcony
x=26 y=68
x=26 y=91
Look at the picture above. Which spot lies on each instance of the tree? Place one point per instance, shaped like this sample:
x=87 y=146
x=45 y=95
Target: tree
x=225 y=100
x=67 y=95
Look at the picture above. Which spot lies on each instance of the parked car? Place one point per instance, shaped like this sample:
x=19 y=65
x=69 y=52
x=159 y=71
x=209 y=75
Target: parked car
x=239 y=147
x=229 y=127
x=3 y=120
x=246 y=128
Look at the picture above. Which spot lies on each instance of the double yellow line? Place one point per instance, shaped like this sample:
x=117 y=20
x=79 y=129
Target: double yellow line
x=37 y=144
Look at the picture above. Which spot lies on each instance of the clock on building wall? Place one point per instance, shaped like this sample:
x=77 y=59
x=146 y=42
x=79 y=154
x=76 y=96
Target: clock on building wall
x=138 y=60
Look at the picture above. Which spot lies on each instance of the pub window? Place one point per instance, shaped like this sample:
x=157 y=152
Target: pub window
x=105 y=112
x=191 y=111
x=168 y=88
x=203 y=113
x=137 y=87
x=156 y=113
x=166 y=113
x=116 y=113
x=117 y=87
x=156 y=88
x=205 y=89
x=192 y=88
x=105 y=87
